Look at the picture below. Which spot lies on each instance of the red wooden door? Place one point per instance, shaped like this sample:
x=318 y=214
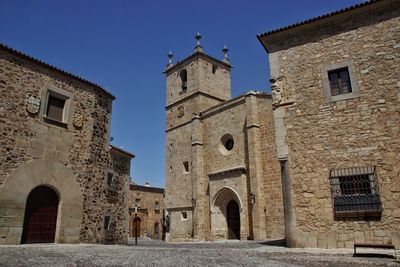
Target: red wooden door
x=40 y=216
x=233 y=220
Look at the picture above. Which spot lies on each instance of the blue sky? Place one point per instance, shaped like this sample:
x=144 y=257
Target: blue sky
x=123 y=46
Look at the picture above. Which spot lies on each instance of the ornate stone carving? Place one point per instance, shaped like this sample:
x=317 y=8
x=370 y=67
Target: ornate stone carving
x=32 y=104
x=78 y=120
x=181 y=111
x=278 y=86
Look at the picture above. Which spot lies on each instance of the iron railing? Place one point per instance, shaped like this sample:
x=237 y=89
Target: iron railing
x=355 y=193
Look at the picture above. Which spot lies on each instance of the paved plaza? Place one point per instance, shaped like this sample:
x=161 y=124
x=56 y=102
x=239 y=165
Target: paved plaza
x=157 y=253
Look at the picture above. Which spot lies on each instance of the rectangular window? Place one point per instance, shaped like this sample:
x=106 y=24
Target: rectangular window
x=107 y=222
x=55 y=108
x=184 y=215
x=110 y=179
x=339 y=81
x=157 y=205
x=186 y=166
x=355 y=193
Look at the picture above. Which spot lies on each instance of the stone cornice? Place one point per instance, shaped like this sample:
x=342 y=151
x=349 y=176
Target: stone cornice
x=191 y=96
x=181 y=208
x=195 y=55
x=240 y=169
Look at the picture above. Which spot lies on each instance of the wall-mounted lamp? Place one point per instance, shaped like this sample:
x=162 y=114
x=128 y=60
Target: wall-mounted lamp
x=193 y=202
x=252 y=198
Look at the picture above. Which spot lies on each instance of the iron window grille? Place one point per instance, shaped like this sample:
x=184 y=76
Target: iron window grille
x=355 y=193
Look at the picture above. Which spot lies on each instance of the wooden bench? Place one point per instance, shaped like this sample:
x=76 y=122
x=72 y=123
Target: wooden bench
x=377 y=246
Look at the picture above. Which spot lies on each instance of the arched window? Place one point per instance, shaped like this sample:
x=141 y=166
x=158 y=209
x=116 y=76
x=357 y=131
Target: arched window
x=183 y=75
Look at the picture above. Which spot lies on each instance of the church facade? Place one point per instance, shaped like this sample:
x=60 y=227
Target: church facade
x=316 y=162
x=222 y=177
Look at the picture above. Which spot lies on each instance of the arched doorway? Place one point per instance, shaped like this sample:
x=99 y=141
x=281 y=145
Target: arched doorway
x=233 y=220
x=40 y=218
x=226 y=215
x=136 y=227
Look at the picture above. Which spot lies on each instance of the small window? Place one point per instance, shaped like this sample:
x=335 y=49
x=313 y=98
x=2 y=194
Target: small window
x=355 y=193
x=55 y=108
x=186 y=166
x=170 y=168
x=339 y=81
x=157 y=205
x=110 y=179
x=229 y=144
x=184 y=215
x=214 y=69
x=226 y=144
x=138 y=203
x=183 y=75
x=107 y=222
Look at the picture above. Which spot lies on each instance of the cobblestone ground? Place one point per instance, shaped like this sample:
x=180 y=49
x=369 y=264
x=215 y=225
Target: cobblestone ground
x=155 y=253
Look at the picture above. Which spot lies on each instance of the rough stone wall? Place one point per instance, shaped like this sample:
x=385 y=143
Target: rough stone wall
x=27 y=137
x=147 y=212
x=361 y=131
x=118 y=195
x=273 y=205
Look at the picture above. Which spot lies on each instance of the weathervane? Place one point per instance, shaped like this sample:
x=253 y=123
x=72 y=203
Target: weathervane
x=170 y=56
x=198 y=47
x=225 y=50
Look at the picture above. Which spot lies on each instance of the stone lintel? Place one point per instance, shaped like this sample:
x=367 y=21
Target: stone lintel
x=240 y=169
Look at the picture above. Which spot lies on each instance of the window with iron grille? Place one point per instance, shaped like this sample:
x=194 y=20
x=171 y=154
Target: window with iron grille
x=355 y=193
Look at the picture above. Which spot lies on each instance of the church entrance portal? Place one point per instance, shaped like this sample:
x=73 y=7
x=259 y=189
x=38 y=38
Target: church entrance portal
x=233 y=220
x=40 y=216
x=226 y=215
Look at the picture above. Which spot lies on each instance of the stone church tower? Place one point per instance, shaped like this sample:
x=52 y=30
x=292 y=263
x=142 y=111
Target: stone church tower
x=219 y=155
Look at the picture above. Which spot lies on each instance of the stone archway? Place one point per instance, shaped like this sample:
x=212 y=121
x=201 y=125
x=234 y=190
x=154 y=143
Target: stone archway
x=40 y=218
x=15 y=190
x=226 y=215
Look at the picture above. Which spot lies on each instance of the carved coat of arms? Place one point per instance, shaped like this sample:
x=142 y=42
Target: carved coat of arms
x=78 y=120
x=181 y=111
x=32 y=104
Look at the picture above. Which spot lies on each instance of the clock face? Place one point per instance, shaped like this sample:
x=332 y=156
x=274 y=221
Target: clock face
x=181 y=111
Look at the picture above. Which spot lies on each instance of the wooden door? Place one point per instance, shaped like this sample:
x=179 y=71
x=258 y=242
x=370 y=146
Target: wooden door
x=40 y=216
x=136 y=227
x=233 y=220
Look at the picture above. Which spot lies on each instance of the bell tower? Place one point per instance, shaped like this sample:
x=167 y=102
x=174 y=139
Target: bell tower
x=195 y=84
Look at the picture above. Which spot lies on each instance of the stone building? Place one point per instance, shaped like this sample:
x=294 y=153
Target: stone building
x=222 y=177
x=336 y=99
x=59 y=180
x=149 y=203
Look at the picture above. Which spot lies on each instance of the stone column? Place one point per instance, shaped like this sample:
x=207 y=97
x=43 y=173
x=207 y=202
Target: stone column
x=199 y=182
x=255 y=172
